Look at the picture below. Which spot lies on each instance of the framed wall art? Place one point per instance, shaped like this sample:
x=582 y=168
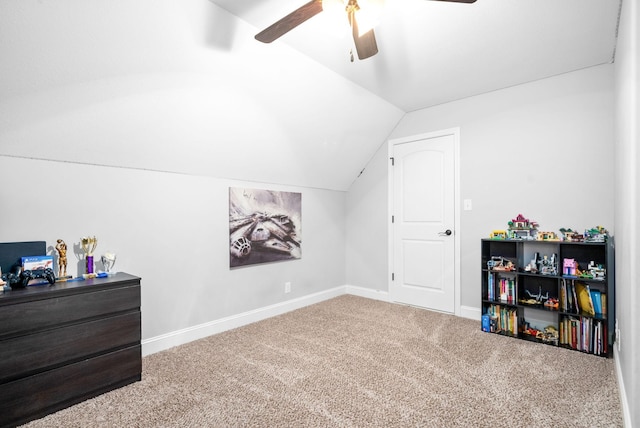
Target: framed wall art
x=264 y=226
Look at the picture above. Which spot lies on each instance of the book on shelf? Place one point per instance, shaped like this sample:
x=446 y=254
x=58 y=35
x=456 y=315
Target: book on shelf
x=503 y=319
x=574 y=333
x=491 y=286
x=508 y=290
x=568 y=296
x=574 y=298
x=597 y=301
x=584 y=334
x=584 y=298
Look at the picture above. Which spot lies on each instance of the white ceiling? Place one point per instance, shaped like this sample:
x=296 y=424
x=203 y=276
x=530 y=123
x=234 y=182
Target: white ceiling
x=182 y=86
x=432 y=52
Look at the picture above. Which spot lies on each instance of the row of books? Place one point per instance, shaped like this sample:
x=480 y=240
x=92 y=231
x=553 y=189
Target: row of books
x=577 y=297
x=503 y=289
x=584 y=334
x=503 y=319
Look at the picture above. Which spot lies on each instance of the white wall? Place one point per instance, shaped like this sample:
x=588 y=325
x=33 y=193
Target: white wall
x=172 y=230
x=367 y=217
x=627 y=185
x=543 y=149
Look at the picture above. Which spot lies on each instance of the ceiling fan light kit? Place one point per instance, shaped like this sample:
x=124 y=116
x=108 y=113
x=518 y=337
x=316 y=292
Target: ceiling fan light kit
x=362 y=16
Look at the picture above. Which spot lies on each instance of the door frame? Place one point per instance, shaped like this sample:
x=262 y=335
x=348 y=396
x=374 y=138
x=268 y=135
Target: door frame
x=455 y=132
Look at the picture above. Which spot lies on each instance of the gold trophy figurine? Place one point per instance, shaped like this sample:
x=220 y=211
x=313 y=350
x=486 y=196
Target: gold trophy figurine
x=88 y=246
x=61 y=247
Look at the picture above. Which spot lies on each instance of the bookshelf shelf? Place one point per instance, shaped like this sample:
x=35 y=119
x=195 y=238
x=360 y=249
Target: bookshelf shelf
x=569 y=311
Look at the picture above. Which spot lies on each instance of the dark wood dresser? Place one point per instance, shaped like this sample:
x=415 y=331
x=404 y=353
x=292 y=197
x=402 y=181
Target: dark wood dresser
x=65 y=343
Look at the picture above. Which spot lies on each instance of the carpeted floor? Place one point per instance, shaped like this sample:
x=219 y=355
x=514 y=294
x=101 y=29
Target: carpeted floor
x=355 y=362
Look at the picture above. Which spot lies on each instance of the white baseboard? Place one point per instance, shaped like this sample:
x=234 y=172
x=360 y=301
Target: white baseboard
x=186 y=335
x=626 y=412
x=470 y=312
x=369 y=293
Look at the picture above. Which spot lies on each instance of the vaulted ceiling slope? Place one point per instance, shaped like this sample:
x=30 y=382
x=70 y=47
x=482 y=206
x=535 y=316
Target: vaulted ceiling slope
x=178 y=86
x=433 y=52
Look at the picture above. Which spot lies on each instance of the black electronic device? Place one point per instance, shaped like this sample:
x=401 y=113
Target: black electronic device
x=11 y=254
x=28 y=275
x=12 y=279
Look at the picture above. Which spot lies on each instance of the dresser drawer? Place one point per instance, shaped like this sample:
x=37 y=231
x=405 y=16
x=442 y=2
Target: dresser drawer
x=35 y=396
x=50 y=312
x=24 y=355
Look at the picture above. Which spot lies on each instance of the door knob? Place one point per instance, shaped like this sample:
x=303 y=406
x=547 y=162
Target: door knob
x=446 y=232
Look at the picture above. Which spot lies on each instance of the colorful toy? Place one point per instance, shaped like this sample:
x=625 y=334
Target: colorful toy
x=547 y=236
x=548 y=265
x=596 y=234
x=498 y=263
x=548 y=335
x=569 y=267
x=597 y=272
x=522 y=228
x=571 y=236
x=498 y=234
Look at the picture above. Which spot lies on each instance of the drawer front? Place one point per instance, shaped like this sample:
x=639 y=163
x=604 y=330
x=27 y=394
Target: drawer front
x=50 y=312
x=35 y=396
x=24 y=355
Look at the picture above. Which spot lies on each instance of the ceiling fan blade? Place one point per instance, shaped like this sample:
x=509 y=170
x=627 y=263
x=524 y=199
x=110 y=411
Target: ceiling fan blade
x=366 y=45
x=290 y=21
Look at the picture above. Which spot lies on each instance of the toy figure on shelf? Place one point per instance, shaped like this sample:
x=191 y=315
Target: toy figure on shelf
x=548 y=265
x=596 y=234
x=597 y=272
x=536 y=299
x=547 y=236
x=569 y=235
x=522 y=228
x=501 y=264
x=532 y=267
x=548 y=335
x=584 y=274
x=498 y=234
x=570 y=267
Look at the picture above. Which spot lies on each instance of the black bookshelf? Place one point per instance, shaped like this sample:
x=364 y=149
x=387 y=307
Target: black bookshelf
x=528 y=294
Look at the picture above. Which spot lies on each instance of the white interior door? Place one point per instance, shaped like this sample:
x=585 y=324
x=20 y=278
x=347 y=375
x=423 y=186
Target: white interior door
x=424 y=222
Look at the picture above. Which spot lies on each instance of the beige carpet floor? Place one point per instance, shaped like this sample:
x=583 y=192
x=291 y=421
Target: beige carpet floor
x=356 y=362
